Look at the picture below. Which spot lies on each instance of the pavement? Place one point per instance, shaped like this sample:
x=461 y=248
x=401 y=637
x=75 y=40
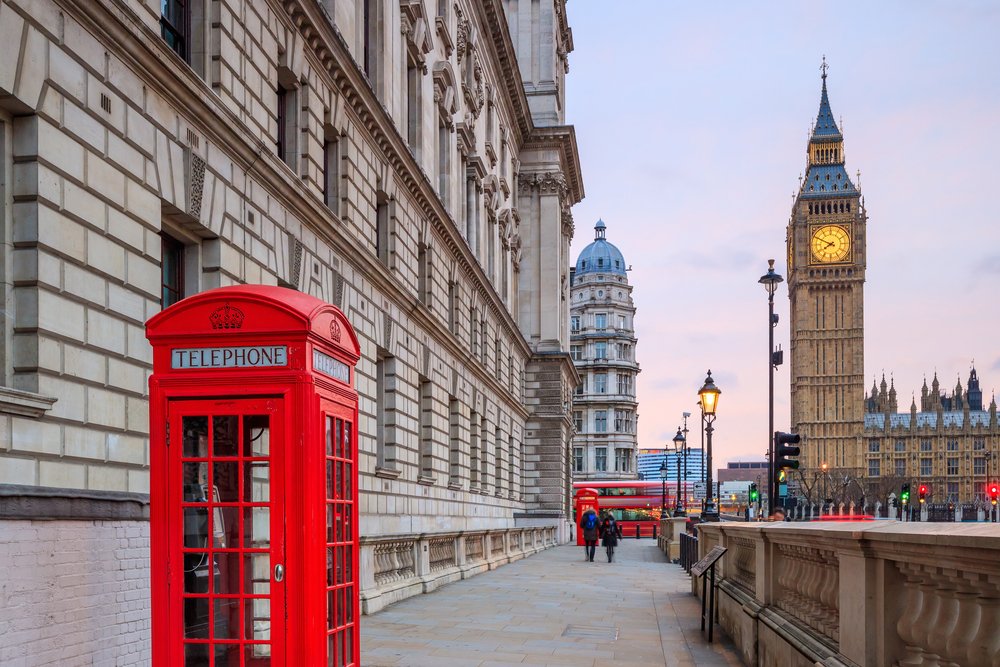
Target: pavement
x=553 y=609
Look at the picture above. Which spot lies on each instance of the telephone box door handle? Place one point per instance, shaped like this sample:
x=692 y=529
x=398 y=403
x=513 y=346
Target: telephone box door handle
x=279 y=572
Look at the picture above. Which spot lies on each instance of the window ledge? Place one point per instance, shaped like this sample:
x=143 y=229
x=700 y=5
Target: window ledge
x=425 y=479
x=388 y=473
x=24 y=403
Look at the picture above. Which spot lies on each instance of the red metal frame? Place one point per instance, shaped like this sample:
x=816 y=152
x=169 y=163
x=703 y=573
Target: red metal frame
x=252 y=359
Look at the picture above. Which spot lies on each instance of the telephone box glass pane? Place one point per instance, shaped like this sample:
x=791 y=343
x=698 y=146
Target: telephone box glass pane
x=225 y=434
x=227 y=481
x=196 y=655
x=257 y=485
x=257 y=527
x=195 y=437
x=256 y=436
x=227 y=618
x=257 y=574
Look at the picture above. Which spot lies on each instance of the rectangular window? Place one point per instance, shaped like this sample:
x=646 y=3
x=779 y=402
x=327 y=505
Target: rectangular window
x=623 y=460
x=574 y=323
x=425 y=276
x=601 y=459
x=900 y=445
x=454 y=441
x=619 y=421
x=629 y=421
x=600 y=383
x=453 y=306
x=953 y=445
x=171 y=270
x=582 y=387
x=331 y=172
x=371 y=24
x=873 y=446
x=578 y=459
x=952 y=465
x=979 y=465
x=600 y=350
x=576 y=352
x=979 y=489
x=601 y=421
x=624 y=383
x=901 y=467
x=621 y=321
x=385 y=416
x=444 y=161
x=979 y=444
x=926 y=467
x=474 y=427
x=952 y=492
x=578 y=421
x=285 y=144
x=382 y=234
x=600 y=321
x=175 y=26
x=874 y=468
x=412 y=105
x=426 y=428
x=925 y=445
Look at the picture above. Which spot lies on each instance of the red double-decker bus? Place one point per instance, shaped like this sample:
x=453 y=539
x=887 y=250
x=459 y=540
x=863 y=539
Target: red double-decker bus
x=632 y=503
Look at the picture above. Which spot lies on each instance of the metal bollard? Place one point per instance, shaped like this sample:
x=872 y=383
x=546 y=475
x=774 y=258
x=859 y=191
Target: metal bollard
x=637 y=531
x=654 y=531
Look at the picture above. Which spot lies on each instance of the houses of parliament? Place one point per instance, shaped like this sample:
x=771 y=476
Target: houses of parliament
x=951 y=444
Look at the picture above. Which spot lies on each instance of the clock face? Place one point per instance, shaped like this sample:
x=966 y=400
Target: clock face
x=831 y=243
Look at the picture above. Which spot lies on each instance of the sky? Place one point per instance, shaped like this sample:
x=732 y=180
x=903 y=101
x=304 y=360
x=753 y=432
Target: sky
x=692 y=120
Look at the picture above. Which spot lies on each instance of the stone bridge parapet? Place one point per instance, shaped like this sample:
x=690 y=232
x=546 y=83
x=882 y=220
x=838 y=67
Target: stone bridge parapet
x=873 y=593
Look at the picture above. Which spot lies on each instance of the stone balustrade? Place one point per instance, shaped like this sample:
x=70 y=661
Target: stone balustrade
x=399 y=566
x=873 y=593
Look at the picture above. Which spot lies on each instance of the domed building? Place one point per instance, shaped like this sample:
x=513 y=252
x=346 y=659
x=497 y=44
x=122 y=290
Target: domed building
x=602 y=343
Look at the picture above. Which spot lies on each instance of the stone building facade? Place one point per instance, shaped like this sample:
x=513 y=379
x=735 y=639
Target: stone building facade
x=405 y=160
x=826 y=274
x=602 y=343
x=951 y=444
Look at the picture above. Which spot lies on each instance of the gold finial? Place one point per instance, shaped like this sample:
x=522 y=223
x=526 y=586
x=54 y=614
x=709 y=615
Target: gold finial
x=823 y=68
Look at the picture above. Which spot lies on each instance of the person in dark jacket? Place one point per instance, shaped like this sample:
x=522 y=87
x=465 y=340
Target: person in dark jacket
x=590 y=524
x=609 y=535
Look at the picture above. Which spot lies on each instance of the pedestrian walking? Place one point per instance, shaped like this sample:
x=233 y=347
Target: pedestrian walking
x=591 y=527
x=610 y=533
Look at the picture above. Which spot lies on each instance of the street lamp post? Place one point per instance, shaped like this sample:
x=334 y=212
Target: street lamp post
x=663 y=481
x=679 y=449
x=770 y=281
x=685 y=415
x=709 y=394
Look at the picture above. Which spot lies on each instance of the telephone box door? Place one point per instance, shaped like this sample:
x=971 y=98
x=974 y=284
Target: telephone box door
x=225 y=497
x=340 y=495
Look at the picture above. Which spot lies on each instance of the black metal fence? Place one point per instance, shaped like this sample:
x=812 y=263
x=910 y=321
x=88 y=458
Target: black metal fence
x=689 y=551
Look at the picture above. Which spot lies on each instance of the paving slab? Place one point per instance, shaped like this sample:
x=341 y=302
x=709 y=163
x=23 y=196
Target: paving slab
x=553 y=610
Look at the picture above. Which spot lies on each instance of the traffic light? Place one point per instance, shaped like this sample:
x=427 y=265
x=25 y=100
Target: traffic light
x=755 y=494
x=904 y=494
x=784 y=449
x=994 y=494
x=922 y=493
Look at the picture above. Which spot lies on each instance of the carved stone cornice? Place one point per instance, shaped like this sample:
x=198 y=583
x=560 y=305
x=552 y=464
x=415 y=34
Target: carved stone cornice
x=414 y=27
x=499 y=39
x=563 y=139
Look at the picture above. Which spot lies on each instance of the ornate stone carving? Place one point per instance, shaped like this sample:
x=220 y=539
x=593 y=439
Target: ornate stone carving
x=335 y=330
x=196 y=184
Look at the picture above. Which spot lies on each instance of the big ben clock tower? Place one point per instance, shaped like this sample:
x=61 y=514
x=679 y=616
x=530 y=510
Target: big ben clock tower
x=826 y=276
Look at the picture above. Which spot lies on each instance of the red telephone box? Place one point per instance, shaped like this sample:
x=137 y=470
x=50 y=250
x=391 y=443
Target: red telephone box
x=586 y=499
x=253 y=481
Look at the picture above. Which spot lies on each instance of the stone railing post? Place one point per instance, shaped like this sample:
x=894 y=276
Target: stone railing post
x=860 y=593
x=422 y=563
